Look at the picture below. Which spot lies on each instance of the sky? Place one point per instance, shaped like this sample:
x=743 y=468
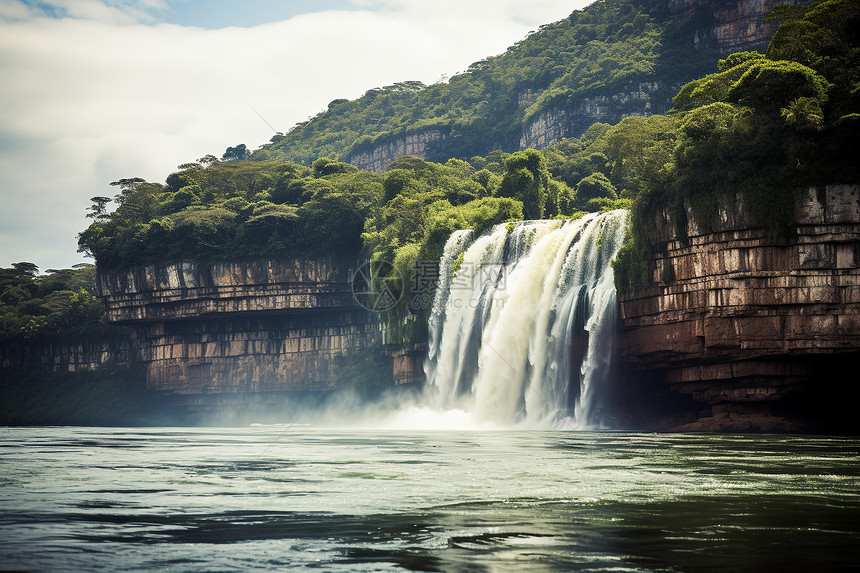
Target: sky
x=92 y=91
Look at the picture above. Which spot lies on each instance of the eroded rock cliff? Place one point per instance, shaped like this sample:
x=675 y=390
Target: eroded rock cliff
x=738 y=25
x=240 y=327
x=716 y=27
x=758 y=333
x=377 y=156
x=114 y=350
x=550 y=126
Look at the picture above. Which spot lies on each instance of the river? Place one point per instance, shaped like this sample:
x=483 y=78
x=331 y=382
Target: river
x=322 y=499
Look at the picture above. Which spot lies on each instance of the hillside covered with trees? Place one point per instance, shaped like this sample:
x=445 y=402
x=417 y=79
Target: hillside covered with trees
x=761 y=124
x=609 y=46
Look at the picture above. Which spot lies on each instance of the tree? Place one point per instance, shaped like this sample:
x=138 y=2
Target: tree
x=185 y=197
x=138 y=200
x=126 y=187
x=594 y=186
x=88 y=240
x=328 y=166
x=212 y=227
x=237 y=153
x=98 y=210
x=26 y=268
x=706 y=121
x=768 y=85
x=334 y=217
x=803 y=114
x=737 y=58
x=526 y=178
x=397 y=181
x=640 y=151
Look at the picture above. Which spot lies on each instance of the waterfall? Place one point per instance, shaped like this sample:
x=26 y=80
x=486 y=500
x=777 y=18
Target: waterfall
x=521 y=329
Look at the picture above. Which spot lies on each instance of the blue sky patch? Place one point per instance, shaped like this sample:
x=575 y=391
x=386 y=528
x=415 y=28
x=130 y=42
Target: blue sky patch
x=247 y=13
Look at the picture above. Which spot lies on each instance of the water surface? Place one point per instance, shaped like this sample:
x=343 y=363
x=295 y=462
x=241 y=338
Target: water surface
x=297 y=498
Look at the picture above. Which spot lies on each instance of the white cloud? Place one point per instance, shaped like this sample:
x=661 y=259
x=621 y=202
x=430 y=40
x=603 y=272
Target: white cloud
x=15 y=10
x=89 y=98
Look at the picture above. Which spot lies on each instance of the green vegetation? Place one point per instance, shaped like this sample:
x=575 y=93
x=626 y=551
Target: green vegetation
x=763 y=127
x=226 y=210
x=60 y=305
x=760 y=127
x=59 y=309
x=609 y=47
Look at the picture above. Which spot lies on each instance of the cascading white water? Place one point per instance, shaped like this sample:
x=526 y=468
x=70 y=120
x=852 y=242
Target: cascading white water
x=522 y=322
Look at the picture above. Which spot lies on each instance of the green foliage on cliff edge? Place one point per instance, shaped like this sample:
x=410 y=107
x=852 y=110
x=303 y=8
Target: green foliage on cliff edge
x=762 y=128
x=269 y=207
x=211 y=210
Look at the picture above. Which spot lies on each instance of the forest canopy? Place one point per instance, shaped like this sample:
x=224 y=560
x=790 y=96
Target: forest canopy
x=60 y=301
x=607 y=47
x=228 y=210
x=761 y=124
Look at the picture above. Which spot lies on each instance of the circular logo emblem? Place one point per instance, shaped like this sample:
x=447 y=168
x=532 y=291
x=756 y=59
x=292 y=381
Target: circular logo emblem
x=376 y=286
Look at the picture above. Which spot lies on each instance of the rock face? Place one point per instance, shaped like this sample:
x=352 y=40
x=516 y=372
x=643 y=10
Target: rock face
x=92 y=354
x=377 y=157
x=552 y=125
x=751 y=329
x=738 y=25
x=240 y=327
x=409 y=365
x=727 y=26
x=190 y=290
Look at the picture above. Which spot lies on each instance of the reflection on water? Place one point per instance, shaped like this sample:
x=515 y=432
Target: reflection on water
x=285 y=497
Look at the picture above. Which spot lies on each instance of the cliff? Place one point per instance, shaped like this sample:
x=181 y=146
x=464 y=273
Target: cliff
x=755 y=332
x=240 y=327
x=738 y=25
x=607 y=61
x=708 y=28
x=377 y=156
x=189 y=290
x=551 y=125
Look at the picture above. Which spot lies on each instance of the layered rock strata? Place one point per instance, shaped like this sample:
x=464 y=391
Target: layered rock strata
x=240 y=327
x=747 y=325
x=408 y=366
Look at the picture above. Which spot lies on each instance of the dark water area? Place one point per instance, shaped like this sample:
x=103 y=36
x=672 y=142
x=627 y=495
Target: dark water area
x=319 y=499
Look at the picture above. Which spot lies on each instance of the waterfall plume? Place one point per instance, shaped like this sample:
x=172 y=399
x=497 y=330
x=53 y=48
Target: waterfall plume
x=521 y=328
